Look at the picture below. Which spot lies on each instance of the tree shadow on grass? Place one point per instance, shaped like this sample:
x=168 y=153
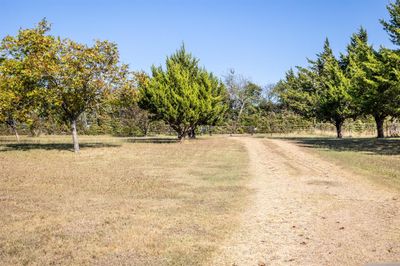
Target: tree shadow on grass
x=366 y=145
x=153 y=140
x=51 y=146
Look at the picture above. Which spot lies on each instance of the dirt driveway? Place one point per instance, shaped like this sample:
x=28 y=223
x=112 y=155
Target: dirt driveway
x=307 y=211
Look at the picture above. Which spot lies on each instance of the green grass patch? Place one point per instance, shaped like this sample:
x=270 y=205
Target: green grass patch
x=376 y=159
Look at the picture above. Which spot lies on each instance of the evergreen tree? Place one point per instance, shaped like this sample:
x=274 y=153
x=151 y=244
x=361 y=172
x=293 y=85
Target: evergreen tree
x=392 y=27
x=320 y=91
x=183 y=95
x=374 y=81
x=297 y=92
x=213 y=101
x=334 y=104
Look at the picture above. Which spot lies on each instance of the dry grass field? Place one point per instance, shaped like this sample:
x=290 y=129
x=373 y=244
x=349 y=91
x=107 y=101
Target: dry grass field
x=117 y=202
x=213 y=201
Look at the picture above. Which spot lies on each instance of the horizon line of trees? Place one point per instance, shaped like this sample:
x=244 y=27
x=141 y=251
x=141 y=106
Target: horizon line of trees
x=359 y=83
x=55 y=85
x=48 y=80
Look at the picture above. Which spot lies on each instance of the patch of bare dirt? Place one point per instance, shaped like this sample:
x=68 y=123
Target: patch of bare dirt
x=307 y=211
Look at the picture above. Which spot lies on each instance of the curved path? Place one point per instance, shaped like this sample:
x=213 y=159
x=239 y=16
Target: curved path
x=307 y=211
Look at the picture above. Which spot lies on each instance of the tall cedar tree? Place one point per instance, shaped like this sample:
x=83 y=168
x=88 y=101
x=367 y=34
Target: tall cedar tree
x=320 y=91
x=392 y=27
x=334 y=104
x=184 y=95
x=297 y=92
x=374 y=79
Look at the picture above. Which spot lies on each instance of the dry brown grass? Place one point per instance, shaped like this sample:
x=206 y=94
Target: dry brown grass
x=309 y=211
x=119 y=203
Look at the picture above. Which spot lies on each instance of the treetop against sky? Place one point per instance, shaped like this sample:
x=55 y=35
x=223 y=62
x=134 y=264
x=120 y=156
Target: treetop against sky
x=260 y=39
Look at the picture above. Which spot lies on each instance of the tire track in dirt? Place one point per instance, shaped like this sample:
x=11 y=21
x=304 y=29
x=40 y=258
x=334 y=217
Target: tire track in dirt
x=307 y=211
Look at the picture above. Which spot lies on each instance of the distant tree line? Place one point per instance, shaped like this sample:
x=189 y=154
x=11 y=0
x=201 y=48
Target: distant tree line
x=360 y=83
x=52 y=85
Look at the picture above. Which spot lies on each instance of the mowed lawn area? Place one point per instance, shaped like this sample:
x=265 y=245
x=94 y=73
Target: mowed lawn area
x=118 y=202
x=378 y=160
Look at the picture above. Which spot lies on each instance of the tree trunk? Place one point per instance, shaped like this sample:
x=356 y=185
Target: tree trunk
x=35 y=132
x=339 y=125
x=236 y=122
x=74 y=135
x=146 y=128
x=379 y=126
x=13 y=126
x=192 y=133
x=181 y=135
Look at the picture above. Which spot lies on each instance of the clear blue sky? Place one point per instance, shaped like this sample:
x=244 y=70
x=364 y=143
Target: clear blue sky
x=259 y=39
